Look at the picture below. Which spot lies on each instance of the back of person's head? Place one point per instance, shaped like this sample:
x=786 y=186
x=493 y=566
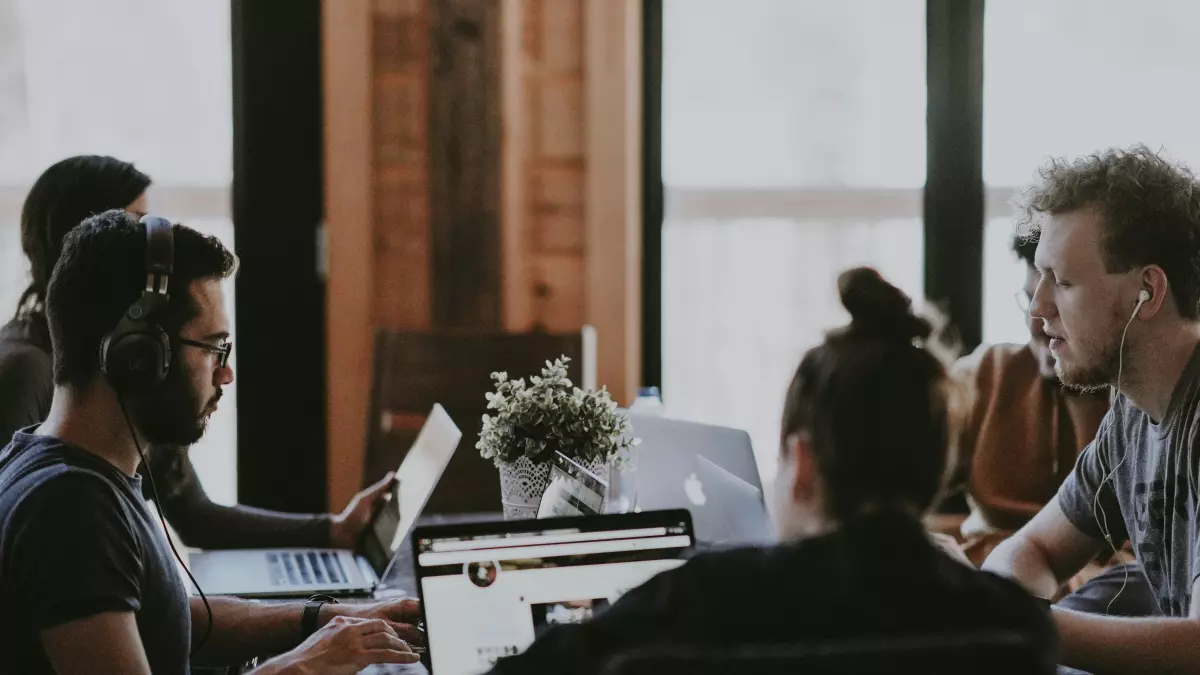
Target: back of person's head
x=102 y=271
x=874 y=403
x=1149 y=208
x=65 y=194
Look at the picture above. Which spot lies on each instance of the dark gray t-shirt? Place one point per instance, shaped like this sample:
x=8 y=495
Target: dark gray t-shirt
x=1151 y=497
x=76 y=540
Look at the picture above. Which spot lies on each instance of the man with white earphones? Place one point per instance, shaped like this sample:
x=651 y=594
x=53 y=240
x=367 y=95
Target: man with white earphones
x=1119 y=296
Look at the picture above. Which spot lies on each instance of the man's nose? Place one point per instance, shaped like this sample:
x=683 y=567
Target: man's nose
x=1040 y=304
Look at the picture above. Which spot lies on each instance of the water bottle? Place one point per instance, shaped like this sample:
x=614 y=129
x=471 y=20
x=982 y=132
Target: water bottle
x=648 y=402
x=622 y=494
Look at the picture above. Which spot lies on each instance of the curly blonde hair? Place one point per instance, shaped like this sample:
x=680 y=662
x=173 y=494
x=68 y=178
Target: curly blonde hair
x=1149 y=207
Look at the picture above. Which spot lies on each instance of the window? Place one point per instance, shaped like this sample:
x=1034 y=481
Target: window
x=793 y=148
x=147 y=81
x=1067 y=78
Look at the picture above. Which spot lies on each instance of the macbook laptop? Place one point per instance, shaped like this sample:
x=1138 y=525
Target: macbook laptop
x=488 y=590
x=708 y=470
x=294 y=572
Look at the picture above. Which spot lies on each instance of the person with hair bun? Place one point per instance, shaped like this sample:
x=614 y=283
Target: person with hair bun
x=864 y=446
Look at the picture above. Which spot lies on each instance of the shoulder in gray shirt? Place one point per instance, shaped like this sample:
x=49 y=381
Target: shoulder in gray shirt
x=1137 y=482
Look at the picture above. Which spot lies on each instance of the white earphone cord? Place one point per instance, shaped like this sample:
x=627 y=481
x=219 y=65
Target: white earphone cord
x=1098 y=514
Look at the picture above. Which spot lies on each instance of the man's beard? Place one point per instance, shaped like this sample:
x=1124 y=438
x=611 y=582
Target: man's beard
x=1097 y=377
x=171 y=414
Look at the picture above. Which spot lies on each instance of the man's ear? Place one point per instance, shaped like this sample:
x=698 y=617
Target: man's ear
x=1154 y=282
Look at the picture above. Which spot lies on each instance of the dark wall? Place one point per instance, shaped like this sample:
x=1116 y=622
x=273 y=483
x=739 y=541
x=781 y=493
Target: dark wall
x=652 y=191
x=277 y=210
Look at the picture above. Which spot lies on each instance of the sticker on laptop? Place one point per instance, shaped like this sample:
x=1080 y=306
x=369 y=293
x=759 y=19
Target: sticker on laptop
x=573 y=490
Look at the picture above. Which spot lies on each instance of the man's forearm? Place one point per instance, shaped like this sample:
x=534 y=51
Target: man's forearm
x=1019 y=560
x=243 y=630
x=1113 y=646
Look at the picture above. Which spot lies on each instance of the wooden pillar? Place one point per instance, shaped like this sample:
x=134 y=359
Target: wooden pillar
x=483 y=172
x=464 y=163
x=349 y=218
x=613 y=207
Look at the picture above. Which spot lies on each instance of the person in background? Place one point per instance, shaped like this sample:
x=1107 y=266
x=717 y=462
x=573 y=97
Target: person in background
x=1023 y=434
x=864 y=448
x=65 y=194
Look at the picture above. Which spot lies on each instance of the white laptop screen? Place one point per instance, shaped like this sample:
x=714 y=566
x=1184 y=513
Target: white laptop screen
x=486 y=596
x=416 y=479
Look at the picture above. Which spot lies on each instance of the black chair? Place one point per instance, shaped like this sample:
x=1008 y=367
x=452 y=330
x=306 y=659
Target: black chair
x=981 y=653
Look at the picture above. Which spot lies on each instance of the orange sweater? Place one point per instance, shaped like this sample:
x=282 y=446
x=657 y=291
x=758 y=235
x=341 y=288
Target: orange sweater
x=1023 y=435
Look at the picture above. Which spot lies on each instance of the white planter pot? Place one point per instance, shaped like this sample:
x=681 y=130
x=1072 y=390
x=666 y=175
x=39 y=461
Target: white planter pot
x=522 y=484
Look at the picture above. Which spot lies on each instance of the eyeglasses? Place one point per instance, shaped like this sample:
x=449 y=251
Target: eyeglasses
x=1023 y=301
x=222 y=350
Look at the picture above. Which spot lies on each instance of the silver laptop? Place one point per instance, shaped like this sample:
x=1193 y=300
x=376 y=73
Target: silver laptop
x=708 y=470
x=290 y=572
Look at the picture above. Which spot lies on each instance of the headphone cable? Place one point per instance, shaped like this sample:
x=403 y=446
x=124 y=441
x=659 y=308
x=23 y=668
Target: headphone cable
x=166 y=533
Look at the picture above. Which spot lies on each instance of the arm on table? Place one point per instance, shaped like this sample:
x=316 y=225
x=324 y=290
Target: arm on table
x=1045 y=553
x=202 y=523
x=1103 y=645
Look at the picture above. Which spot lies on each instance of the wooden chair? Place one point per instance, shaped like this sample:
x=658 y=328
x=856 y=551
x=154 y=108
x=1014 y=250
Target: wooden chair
x=412 y=371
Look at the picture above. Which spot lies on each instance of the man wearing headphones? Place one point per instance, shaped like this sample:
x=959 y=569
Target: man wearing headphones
x=1119 y=296
x=141 y=344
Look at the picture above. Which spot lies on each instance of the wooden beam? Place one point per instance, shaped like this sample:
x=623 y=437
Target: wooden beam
x=349 y=223
x=516 y=300
x=464 y=163
x=400 y=112
x=612 y=208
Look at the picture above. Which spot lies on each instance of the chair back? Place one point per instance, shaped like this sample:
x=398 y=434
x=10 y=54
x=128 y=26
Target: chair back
x=412 y=371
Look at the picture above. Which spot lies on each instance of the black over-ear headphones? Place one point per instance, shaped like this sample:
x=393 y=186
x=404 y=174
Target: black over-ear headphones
x=136 y=355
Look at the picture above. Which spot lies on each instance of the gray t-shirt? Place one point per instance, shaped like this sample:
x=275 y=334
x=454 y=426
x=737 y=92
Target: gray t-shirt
x=76 y=540
x=1150 y=498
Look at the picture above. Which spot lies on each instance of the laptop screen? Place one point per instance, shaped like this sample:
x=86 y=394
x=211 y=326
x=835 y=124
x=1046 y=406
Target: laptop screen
x=418 y=475
x=489 y=589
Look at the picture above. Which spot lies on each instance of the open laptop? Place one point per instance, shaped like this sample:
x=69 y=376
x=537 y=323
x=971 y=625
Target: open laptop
x=294 y=572
x=708 y=470
x=489 y=589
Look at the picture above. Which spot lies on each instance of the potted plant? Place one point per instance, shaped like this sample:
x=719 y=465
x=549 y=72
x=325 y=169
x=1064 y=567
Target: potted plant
x=549 y=414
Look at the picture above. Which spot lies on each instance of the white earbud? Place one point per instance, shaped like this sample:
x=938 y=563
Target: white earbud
x=1143 y=296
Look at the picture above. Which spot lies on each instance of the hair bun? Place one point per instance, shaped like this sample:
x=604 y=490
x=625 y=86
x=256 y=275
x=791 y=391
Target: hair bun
x=879 y=309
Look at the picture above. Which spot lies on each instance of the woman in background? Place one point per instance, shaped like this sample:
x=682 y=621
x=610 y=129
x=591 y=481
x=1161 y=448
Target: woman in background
x=65 y=194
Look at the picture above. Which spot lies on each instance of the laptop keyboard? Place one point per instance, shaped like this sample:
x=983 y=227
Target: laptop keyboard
x=305 y=568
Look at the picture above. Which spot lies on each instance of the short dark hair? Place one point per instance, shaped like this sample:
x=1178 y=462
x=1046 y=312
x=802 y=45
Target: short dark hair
x=876 y=400
x=1025 y=247
x=65 y=194
x=1149 y=207
x=102 y=270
